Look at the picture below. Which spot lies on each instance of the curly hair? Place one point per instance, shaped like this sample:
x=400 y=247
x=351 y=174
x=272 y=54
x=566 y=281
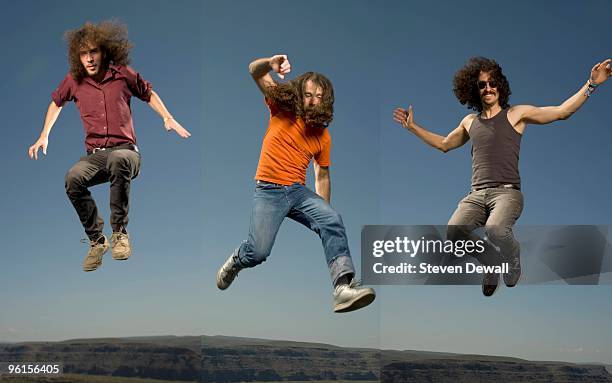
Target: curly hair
x=110 y=36
x=465 y=82
x=289 y=97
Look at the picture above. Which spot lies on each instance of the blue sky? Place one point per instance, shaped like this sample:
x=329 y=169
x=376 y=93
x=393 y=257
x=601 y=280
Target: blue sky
x=546 y=51
x=191 y=203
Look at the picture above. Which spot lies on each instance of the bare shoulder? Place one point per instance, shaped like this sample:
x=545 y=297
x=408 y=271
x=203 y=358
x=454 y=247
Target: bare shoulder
x=516 y=114
x=467 y=121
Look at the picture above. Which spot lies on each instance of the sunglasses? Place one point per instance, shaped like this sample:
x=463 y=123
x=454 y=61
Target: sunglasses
x=483 y=84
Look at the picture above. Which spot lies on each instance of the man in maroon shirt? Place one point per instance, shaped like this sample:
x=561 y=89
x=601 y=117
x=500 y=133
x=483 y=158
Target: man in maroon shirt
x=101 y=84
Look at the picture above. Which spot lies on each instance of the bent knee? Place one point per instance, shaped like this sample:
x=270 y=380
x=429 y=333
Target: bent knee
x=329 y=216
x=497 y=233
x=457 y=233
x=73 y=179
x=334 y=219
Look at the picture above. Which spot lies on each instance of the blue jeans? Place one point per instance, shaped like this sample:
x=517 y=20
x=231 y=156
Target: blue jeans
x=272 y=203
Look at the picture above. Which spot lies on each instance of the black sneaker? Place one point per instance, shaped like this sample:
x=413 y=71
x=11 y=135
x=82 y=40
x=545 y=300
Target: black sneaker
x=490 y=281
x=512 y=277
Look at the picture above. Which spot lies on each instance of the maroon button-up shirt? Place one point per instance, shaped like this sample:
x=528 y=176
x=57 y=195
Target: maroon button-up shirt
x=105 y=106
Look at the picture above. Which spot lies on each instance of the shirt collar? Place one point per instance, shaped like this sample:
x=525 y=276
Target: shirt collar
x=111 y=73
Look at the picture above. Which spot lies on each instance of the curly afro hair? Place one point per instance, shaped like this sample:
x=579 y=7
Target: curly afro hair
x=109 y=36
x=465 y=84
x=289 y=97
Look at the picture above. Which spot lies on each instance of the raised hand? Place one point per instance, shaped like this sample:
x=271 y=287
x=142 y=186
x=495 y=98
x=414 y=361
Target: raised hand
x=601 y=72
x=281 y=65
x=404 y=117
x=41 y=143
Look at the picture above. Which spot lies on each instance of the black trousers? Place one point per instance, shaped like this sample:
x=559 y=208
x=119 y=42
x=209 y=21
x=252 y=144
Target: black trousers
x=117 y=165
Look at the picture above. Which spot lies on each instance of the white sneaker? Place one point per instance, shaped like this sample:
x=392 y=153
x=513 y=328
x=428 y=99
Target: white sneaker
x=227 y=272
x=352 y=297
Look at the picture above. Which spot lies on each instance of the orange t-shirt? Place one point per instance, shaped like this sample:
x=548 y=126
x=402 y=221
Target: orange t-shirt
x=288 y=146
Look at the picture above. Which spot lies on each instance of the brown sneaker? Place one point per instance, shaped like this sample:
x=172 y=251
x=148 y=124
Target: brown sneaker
x=121 y=248
x=93 y=259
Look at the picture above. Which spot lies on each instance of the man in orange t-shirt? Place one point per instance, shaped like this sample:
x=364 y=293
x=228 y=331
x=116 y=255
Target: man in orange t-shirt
x=300 y=112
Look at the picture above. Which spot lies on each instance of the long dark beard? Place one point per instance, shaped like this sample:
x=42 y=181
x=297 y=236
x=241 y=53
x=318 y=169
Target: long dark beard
x=317 y=116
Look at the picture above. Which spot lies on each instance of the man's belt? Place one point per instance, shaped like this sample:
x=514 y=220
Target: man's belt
x=116 y=147
x=260 y=182
x=502 y=186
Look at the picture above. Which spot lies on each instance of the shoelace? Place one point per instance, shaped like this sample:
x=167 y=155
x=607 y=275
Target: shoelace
x=352 y=285
x=89 y=242
x=121 y=235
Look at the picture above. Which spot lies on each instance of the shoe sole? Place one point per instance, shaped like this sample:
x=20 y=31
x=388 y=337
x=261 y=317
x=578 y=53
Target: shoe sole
x=358 y=303
x=92 y=269
x=490 y=295
x=121 y=257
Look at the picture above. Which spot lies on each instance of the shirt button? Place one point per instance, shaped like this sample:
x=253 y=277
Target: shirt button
x=105 y=127
x=102 y=114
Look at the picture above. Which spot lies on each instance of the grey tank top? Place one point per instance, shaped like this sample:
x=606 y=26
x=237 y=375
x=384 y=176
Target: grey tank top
x=495 y=152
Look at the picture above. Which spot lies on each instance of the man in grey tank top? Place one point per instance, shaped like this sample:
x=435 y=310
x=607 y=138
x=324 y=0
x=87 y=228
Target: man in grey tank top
x=495 y=201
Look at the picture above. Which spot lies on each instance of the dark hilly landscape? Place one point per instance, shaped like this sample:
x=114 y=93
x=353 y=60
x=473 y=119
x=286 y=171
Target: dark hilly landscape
x=222 y=359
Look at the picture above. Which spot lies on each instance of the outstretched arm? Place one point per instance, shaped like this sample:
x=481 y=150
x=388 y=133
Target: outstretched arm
x=169 y=122
x=520 y=115
x=322 y=181
x=260 y=70
x=453 y=140
x=53 y=111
